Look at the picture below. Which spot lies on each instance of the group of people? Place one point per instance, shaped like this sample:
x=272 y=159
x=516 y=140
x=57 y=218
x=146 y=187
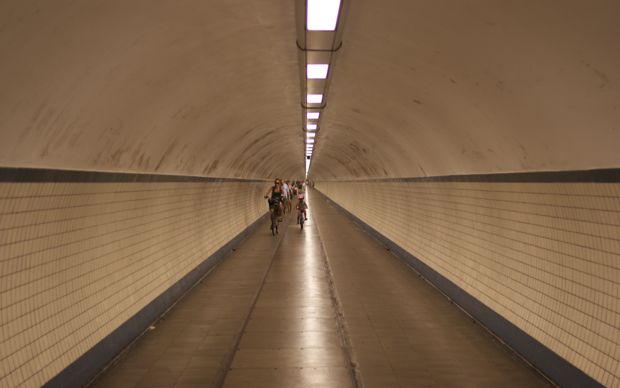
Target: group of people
x=282 y=192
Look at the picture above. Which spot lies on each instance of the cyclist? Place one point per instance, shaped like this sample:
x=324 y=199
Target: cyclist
x=301 y=207
x=275 y=195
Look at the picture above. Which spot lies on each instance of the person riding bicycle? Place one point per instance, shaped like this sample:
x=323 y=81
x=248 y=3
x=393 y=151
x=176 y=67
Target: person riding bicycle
x=302 y=206
x=275 y=195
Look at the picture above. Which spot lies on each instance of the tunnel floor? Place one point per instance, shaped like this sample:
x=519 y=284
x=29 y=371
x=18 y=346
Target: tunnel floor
x=324 y=307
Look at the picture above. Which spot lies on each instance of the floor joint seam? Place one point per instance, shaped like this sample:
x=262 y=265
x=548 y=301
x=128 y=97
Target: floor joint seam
x=226 y=365
x=347 y=346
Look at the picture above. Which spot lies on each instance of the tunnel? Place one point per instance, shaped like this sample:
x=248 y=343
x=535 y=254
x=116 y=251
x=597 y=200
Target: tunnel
x=460 y=161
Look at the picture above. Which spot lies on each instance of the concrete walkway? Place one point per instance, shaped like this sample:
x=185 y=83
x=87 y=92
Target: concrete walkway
x=324 y=307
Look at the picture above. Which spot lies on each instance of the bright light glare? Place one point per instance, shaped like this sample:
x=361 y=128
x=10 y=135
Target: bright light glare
x=310 y=134
x=310 y=141
x=322 y=15
x=315 y=98
x=311 y=127
x=313 y=115
x=316 y=71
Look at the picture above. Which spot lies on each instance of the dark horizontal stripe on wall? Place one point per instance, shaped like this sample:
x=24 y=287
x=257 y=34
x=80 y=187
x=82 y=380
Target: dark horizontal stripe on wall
x=611 y=175
x=36 y=175
x=548 y=362
x=82 y=370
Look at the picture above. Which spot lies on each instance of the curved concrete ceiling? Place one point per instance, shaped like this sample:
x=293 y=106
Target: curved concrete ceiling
x=193 y=87
x=460 y=87
x=212 y=88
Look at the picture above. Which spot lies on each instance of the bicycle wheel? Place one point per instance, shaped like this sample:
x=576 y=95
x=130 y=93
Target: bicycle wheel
x=274 y=222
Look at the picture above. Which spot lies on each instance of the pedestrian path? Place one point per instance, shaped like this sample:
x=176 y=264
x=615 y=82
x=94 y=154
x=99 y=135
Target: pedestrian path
x=403 y=332
x=326 y=306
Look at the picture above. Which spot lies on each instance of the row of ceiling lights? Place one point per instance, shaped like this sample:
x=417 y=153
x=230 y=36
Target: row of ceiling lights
x=318 y=41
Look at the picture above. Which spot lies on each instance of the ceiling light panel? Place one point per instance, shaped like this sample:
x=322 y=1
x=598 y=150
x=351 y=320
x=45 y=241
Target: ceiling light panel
x=313 y=115
x=316 y=71
x=322 y=15
x=314 y=98
x=311 y=127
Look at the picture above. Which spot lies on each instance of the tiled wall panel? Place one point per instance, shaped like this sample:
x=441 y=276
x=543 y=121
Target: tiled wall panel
x=546 y=256
x=79 y=259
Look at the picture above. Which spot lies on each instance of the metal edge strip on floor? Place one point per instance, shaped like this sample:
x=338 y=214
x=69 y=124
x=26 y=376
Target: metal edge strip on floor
x=354 y=371
x=90 y=364
x=226 y=365
x=549 y=363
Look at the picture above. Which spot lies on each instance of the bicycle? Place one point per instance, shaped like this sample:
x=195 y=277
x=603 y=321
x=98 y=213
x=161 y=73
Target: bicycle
x=274 y=209
x=300 y=219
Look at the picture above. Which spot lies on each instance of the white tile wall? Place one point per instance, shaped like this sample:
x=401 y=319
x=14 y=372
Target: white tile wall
x=546 y=256
x=79 y=259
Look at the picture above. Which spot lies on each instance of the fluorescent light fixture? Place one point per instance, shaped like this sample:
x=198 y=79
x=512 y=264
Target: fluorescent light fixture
x=314 y=98
x=316 y=71
x=313 y=115
x=322 y=15
x=309 y=141
x=311 y=127
x=310 y=134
